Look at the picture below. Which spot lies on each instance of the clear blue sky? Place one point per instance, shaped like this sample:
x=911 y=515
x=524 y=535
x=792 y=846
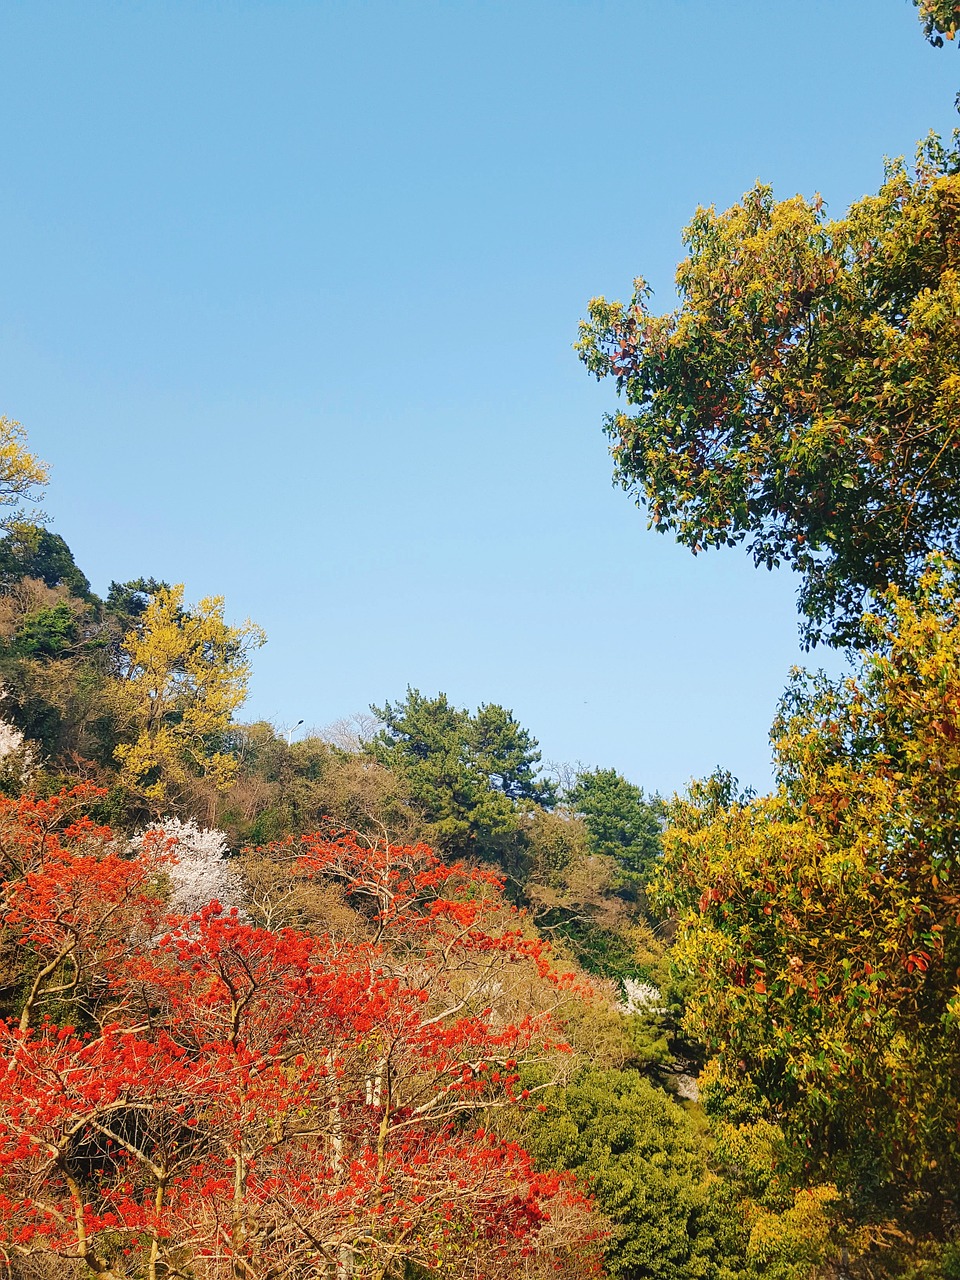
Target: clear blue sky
x=289 y=292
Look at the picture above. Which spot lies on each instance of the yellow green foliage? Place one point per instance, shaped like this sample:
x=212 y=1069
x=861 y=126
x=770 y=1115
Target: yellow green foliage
x=21 y=472
x=187 y=673
x=803 y=397
x=789 y=1244
x=940 y=18
x=819 y=927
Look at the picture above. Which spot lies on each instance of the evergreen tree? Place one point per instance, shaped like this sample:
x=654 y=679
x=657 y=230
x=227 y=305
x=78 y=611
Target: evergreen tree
x=621 y=823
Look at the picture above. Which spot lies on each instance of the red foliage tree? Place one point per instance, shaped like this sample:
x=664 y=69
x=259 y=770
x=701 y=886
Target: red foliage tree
x=235 y=1101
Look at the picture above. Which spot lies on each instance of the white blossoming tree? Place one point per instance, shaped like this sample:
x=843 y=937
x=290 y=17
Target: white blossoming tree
x=18 y=756
x=201 y=873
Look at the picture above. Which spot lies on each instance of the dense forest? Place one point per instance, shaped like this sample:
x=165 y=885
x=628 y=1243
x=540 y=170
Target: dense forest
x=391 y=1000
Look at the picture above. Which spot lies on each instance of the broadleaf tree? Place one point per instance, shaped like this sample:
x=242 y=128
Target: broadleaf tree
x=940 y=18
x=818 y=939
x=803 y=398
x=22 y=474
x=186 y=672
x=214 y=1100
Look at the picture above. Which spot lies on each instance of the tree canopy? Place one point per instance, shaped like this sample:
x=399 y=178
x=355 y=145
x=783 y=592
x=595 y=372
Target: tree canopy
x=227 y=1100
x=804 y=397
x=940 y=18
x=646 y=1169
x=186 y=673
x=30 y=551
x=22 y=474
x=468 y=773
x=621 y=824
x=819 y=926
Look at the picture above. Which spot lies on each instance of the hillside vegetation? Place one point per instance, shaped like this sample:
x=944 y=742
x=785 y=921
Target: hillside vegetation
x=391 y=1001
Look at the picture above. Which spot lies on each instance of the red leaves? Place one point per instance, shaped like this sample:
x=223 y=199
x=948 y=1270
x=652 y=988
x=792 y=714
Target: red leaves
x=30 y=829
x=247 y=1091
x=709 y=898
x=406 y=887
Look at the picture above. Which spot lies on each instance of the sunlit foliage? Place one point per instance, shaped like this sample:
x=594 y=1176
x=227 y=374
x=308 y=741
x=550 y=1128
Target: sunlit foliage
x=819 y=926
x=804 y=397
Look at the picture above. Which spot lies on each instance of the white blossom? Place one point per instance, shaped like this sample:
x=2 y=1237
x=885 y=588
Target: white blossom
x=640 y=997
x=687 y=1087
x=201 y=873
x=18 y=757
x=11 y=739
